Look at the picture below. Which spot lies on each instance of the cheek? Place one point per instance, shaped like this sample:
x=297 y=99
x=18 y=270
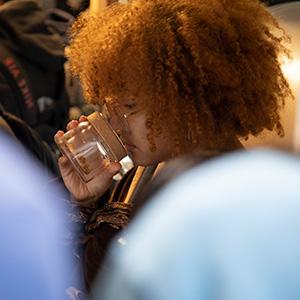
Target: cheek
x=142 y=155
x=161 y=144
x=163 y=150
x=138 y=131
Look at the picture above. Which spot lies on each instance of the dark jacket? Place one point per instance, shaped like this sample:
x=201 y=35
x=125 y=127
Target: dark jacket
x=27 y=32
x=29 y=138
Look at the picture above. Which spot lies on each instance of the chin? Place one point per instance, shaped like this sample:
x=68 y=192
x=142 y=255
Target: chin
x=144 y=161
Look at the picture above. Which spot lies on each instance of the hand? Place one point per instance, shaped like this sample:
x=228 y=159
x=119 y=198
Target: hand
x=82 y=192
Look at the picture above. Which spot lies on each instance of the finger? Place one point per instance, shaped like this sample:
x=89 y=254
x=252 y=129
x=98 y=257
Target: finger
x=112 y=168
x=109 y=169
x=57 y=137
x=72 y=124
x=83 y=119
x=99 y=184
x=63 y=161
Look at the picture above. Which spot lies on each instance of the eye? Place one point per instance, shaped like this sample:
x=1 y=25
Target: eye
x=129 y=105
x=129 y=108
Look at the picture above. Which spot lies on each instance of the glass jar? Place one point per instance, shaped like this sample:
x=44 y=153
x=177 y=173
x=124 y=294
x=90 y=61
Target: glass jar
x=92 y=143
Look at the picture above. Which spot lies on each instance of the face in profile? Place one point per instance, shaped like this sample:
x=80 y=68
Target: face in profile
x=130 y=123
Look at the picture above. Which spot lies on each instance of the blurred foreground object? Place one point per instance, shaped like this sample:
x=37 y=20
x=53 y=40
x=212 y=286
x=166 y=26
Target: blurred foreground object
x=35 y=263
x=226 y=229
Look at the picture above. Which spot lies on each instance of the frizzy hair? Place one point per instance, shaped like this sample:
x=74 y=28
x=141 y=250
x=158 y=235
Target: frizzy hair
x=204 y=70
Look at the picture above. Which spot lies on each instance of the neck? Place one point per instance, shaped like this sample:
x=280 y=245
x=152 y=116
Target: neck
x=219 y=147
x=231 y=144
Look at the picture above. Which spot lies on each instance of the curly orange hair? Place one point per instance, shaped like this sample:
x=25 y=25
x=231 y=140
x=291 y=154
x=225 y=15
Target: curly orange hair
x=204 y=70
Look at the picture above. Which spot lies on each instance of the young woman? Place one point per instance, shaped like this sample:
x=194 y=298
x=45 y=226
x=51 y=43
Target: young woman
x=179 y=76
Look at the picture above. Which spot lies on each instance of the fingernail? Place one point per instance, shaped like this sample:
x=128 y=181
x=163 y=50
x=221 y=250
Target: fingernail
x=114 y=167
x=63 y=160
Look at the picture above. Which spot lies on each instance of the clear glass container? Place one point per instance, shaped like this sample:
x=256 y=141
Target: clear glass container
x=91 y=144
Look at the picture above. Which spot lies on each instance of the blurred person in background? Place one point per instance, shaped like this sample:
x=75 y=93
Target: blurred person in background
x=225 y=229
x=29 y=138
x=177 y=77
x=75 y=6
x=32 y=60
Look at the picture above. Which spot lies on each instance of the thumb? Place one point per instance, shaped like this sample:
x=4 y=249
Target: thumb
x=65 y=166
x=63 y=161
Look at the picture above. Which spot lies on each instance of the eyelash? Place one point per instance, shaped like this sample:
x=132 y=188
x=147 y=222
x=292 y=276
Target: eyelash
x=130 y=106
